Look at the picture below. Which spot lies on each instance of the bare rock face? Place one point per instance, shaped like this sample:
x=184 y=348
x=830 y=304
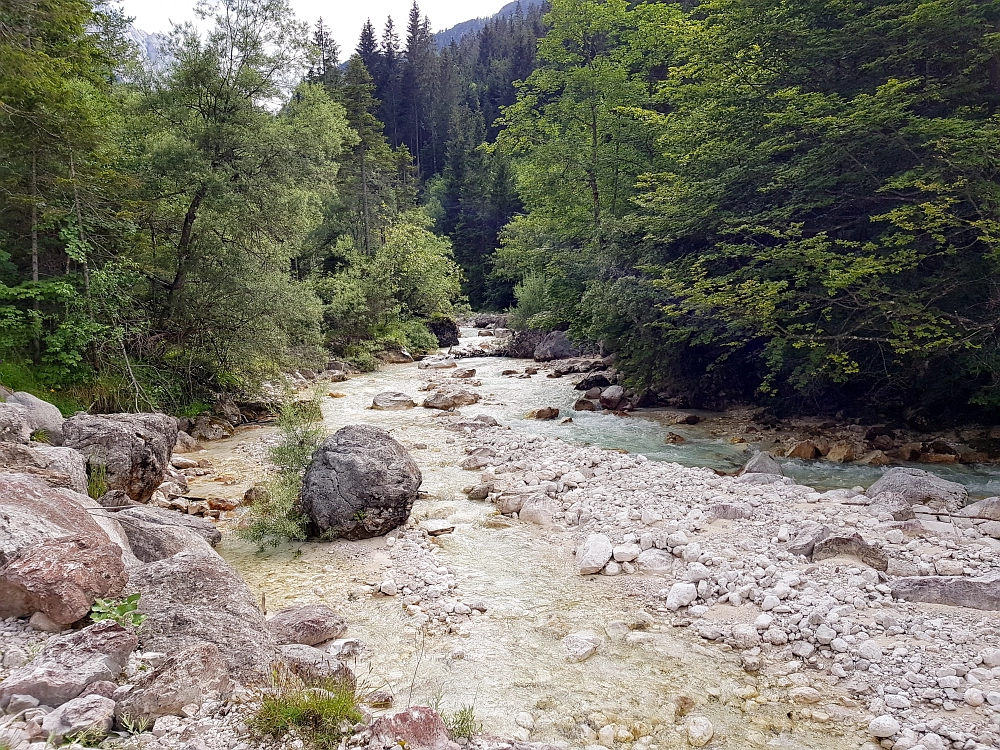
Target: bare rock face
x=42 y=416
x=57 y=467
x=954 y=591
x=55 y=556
x=392 y=401
x=192 y=676
x=71 y=662
x=308 y=624
x=192 y=599
x=919 y=487
x=524 y=343
x=804 y=449
x=134 y=448
x=15 y=425
x=851 y=545
x=91 y=712
x=988 y=509
x=582 y=404
x=361 y=483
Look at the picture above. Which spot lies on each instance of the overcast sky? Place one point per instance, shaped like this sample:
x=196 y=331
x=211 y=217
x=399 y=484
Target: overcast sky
x=343 y=17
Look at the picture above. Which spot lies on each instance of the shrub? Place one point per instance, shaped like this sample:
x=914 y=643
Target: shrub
x=321 y=712
x=463 y=723
x=123 y=611
x=532 y=303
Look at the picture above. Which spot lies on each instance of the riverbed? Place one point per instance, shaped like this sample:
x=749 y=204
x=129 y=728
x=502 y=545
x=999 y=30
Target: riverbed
x=508 y=663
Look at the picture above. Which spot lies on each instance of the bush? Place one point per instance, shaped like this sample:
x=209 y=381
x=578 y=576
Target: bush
x=532 y=303
x=277 y=517
x=321 y=712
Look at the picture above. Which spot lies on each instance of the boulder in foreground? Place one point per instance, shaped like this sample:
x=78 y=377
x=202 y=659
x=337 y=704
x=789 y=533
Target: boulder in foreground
x=361 y=483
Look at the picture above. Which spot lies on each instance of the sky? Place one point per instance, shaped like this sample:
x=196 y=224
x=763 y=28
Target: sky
x=343 y=17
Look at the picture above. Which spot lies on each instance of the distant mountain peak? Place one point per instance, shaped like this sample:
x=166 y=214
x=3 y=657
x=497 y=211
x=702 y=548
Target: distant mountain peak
x=456 y=32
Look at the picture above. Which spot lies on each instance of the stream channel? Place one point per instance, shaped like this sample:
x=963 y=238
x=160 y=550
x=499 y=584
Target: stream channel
x=509 y=660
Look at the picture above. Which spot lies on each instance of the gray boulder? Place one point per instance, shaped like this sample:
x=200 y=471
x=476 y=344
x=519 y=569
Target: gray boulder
x=192 y=676
x=308 y=624
x=450 y=398
x=554 y=345
x=42 y=416
x=69 y=663
x=955 y=591
x=361 y=483
x=210 y=428
x=892 y=504
x=392 y=401
x=157 y=533
x=524 y=343
x=192 y=599
x=851 y=545
x=15 y=423
x=134 y=448
x=87 y=713
x=612 y=397
x=919 y=487
x=988 y=509
x=762 y=463
x=312 y=665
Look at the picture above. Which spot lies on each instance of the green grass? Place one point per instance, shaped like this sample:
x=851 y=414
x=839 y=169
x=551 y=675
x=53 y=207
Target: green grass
x=97 y=480
x=19 y=376
x=320 y=712
x=463 y=723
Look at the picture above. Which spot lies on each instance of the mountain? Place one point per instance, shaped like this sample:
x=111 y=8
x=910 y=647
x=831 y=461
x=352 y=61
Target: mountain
x=456 y=32
x=150 y=45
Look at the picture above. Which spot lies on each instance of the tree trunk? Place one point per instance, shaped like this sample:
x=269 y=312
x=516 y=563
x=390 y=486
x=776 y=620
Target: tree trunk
x=34 y=247
x=364 y=202
x=592 y=172
x=184 y=250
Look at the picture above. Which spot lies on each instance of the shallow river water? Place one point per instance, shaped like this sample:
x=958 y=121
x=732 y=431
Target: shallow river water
x=510 y=659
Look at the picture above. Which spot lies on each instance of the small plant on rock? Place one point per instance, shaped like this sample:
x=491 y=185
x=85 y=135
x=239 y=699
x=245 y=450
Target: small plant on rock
x=320 y=711
x=97 y=480
x=123 y=611
x=41 y=436
x=89 y=737
x=463 y=723
x=134 y=724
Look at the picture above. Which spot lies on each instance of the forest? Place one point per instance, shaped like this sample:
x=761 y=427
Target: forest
x=786 y=202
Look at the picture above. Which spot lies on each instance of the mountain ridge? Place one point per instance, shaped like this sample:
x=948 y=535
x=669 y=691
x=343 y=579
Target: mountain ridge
x=455 y=33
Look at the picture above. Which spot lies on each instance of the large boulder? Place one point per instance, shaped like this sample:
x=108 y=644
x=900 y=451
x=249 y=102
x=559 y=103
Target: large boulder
x=71 y=662
x=594 y=380
x=445 y=330
x=57 y=467
x=57 y=551
x=612 y=397
x=762 y=463
x=210 y=428
x=392 y=401
x=988 y=509
x=157 y=533
x=133 y=448
x=954 y=591
x=554 y=345
x=15 y=423
x=450 y=398
x=523 y=343
x=919 y=487
x=191 y=599
x=94 y=713
x=308 y=624
x=190 y=677
x=361 y=483
x=43 y=417
x=418 y=727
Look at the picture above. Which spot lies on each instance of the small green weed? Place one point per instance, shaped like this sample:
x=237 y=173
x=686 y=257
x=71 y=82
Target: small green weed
x=321 y=712
x=97 y=480
x=134 y=724
x=41 y=436
x=89 y=737
x=123 y=611
x=463 y=723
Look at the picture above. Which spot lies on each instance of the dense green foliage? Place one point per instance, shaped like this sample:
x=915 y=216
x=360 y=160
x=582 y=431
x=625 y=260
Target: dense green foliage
x=172 y=232
x=768 y=199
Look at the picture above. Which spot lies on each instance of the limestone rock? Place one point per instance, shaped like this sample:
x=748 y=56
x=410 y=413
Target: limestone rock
x=312 y=664
x=538 y=509
x=445 y=330
x=192 y=676
x=192 y=598
x=806 y=537
x=988 y=509
x=612 y=397
x=919 y=487
x=955 y=591
x=582 y=404
x=593 y=554
x=450 y=398
x=361 y=483
x=93 y=712
x=418 y=727
x=681 y=594
x=545 y=412
x=186 y=444
x=883 y=726
x=804 y=449
x=699 y=731
x=15 y=424
x=158 y=533
x=436 y=363
x=210 y=428
x=655 y=561
x=308 y=624
x=841 y=452
x=71 y=662
x=58 y=467
x=762 y=463
x=554 y=345
x=392 y=401
x=892 y=504
x=581 y=646
x=134 y=448
x=851 y=545
x=42 y=416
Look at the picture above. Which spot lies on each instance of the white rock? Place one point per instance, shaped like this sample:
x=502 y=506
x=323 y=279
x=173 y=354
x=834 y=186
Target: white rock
x=581 y=646
x=991 y=657
x=897 y=700
x=626 y=552
x=681 y=595
x=612 y=569
x=388 y=587
x=655 y=561
x=593 y=554
x=883 y=726
x=525 y=721
x=974 y=697
x=699 y=731
x=770 y=602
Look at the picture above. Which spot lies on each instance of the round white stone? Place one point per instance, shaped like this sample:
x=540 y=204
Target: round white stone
x=883 y=726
